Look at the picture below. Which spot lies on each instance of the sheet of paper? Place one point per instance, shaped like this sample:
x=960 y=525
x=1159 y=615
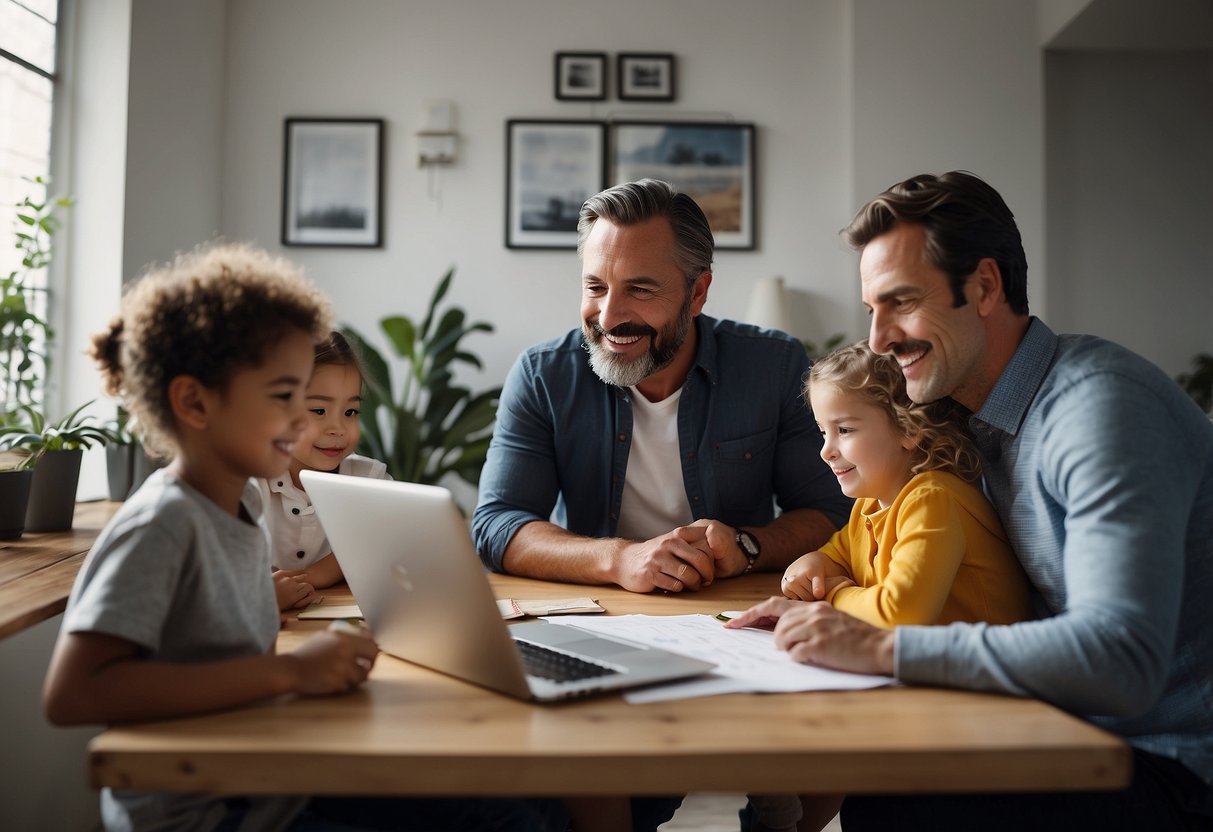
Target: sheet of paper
x=747 y=660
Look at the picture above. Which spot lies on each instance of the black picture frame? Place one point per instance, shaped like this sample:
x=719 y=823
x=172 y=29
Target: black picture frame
x=332 y=182
x=712 y=162
x=581 y=76
x=645 y=76
x=552 y=167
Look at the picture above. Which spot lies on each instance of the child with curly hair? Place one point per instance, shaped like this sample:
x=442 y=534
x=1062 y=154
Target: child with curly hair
x=923 y=545
x=173 y=612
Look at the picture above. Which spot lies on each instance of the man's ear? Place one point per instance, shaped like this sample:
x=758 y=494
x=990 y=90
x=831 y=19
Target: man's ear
x=190 y=401
x=986 y=286
x=699 y=293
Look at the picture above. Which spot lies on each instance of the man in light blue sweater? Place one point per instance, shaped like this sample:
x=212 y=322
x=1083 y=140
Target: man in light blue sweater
x=1101 y=469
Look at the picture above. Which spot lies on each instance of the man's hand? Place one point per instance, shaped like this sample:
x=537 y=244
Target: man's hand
x=719 y=540
x=818 y=634
x=675 y=561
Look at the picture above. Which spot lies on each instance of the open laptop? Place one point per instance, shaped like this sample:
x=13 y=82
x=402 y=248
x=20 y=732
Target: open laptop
x=408 y=558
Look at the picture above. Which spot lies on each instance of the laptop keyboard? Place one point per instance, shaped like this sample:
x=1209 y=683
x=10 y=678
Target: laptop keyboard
x=559 y=667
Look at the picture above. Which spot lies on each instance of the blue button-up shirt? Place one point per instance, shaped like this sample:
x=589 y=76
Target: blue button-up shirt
x=746 y=439
x=1101 y=469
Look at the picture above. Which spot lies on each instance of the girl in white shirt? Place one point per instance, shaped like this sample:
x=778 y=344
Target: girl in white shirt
x=303 y=559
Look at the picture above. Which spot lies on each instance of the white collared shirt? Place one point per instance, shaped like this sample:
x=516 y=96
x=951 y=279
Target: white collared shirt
x=298 y=538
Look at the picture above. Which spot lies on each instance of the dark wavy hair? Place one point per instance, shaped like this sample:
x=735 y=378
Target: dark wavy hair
x=635 y=202
x=964 y=219
x=942 y=438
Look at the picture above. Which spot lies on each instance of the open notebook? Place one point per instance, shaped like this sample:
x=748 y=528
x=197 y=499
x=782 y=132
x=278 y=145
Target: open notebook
x=408 y=558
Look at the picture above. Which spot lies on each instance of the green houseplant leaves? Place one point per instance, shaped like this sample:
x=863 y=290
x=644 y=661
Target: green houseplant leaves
x=434 y=427
x=26 y=427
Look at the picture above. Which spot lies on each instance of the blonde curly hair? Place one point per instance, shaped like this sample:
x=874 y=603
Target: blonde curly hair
x=939 y=429
x=209 y=313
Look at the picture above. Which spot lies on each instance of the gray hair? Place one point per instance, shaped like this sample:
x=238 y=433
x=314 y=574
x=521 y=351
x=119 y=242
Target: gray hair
x=635 y=202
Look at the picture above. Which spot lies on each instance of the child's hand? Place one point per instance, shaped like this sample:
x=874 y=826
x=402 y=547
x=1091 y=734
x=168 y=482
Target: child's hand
x=334 y=661
x=292 y=590
x=812 y=577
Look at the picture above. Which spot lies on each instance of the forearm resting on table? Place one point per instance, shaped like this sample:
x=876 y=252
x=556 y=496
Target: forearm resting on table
x=324 y=572
x=791 y=535
x=95 y=679
x=544 y=550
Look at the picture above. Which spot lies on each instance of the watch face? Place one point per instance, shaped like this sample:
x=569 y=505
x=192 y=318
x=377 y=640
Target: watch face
x=748 y=544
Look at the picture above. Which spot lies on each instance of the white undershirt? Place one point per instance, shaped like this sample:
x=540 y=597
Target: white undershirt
x=654 y=497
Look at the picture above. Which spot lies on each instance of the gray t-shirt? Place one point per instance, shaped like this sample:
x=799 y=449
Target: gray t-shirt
x=187 y=582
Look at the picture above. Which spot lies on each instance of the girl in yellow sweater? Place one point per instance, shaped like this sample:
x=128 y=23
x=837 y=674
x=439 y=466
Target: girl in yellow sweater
x=923 y=545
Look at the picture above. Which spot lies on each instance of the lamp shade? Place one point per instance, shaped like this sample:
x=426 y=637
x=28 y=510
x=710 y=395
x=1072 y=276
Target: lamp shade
x=769 y=305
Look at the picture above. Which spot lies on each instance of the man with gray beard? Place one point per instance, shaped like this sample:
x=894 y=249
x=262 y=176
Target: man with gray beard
x=662 y=439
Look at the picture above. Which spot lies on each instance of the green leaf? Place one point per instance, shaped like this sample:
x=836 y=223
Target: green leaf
x=402 y=333
x=439 y=293
x=433 y=427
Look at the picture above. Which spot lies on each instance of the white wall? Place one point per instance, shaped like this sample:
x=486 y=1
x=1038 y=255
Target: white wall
x=1130 y=200
x=945 y=85
x=779 y=63
x=174 y=147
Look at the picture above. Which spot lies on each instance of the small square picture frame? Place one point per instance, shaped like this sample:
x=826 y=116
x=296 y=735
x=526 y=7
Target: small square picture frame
x=581 y=76
x=645 y=76
x=332 y=182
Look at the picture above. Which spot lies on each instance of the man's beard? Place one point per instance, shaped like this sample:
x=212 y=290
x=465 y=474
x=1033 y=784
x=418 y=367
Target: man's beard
x=625 y=372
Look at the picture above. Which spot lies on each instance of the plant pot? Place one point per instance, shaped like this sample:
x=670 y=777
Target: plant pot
x=126 y=467
x=52 y=497
x=119 y=468
x=14 y=498
x=143 y=468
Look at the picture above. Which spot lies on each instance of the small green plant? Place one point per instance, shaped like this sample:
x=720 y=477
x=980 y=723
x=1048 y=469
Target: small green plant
x=26 y=336
x=1199 y=383
x=434 y=427
x=27 y=429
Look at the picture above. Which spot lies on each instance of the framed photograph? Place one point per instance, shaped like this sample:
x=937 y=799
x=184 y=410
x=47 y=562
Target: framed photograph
x=551 y=168
x=713 y=163
x=332 y=182
x=645 y=76
x=581 y=76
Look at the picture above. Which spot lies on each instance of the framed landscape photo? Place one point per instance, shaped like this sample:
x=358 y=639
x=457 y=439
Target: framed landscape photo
x=552 y=167
x=713 y=163
x=645 y=76
x=581 y=76
x=332 y=182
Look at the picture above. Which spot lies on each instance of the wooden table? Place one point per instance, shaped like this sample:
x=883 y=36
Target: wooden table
x=414 y=731
x=38 y=569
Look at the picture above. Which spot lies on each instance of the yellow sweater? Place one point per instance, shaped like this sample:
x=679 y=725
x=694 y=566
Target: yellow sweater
x=938 y=554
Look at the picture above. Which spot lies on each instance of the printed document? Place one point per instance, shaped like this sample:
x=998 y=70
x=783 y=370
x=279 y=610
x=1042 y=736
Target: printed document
x=747 y=660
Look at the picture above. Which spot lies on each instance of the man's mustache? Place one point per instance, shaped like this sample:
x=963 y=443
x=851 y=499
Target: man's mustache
x=623 y=330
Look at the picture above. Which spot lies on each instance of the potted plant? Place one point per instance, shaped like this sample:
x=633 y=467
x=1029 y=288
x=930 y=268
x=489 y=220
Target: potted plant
x=25 y=335
x=55 y=451
x=127 y=462
x=434 y=427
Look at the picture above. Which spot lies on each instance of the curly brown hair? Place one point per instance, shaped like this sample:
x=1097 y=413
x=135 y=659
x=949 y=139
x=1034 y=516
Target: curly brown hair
x=207 y=314
x=939 y=429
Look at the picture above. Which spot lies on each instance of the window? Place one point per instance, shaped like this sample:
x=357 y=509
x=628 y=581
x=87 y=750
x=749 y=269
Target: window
x=27 y=82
